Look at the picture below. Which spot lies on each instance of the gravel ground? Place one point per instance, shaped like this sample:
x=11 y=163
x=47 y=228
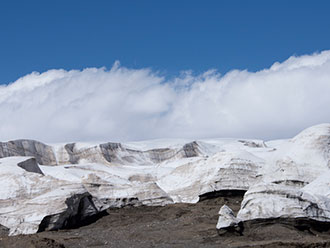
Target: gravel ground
x=179 y=225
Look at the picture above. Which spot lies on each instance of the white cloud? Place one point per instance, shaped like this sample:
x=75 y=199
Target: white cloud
x=126 y=104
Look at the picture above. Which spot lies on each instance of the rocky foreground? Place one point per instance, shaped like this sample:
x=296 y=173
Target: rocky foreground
x=175 y=225
x=149 y=187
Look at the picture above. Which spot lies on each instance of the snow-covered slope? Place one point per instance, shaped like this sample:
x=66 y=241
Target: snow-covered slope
x=45 y=187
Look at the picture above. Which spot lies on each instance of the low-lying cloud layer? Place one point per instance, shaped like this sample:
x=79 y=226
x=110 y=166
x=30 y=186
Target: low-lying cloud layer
x=125 y=104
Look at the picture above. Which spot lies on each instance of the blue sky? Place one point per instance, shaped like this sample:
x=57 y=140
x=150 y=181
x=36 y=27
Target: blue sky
x=279 y=48
x=168 y=36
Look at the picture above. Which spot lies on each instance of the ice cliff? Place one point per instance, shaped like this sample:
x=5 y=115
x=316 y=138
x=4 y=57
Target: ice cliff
x=53 y=186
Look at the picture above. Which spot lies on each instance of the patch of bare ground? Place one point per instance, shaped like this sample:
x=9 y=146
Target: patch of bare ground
x=177 y=225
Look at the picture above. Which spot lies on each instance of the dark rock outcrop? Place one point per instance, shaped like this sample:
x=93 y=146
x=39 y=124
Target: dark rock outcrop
x=30 y=165
x=80 y=210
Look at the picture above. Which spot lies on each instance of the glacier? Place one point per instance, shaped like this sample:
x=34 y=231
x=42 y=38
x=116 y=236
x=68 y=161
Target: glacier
x=54 y=186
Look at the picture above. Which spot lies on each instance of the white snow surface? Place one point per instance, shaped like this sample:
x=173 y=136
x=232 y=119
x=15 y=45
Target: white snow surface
x=283 y=178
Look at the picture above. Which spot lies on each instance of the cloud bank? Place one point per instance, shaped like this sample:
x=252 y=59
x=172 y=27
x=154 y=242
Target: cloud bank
x=122 y=104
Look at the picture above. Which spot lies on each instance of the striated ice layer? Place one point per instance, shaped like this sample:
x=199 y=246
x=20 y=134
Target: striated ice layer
x=48 y=187
x=295 y=180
